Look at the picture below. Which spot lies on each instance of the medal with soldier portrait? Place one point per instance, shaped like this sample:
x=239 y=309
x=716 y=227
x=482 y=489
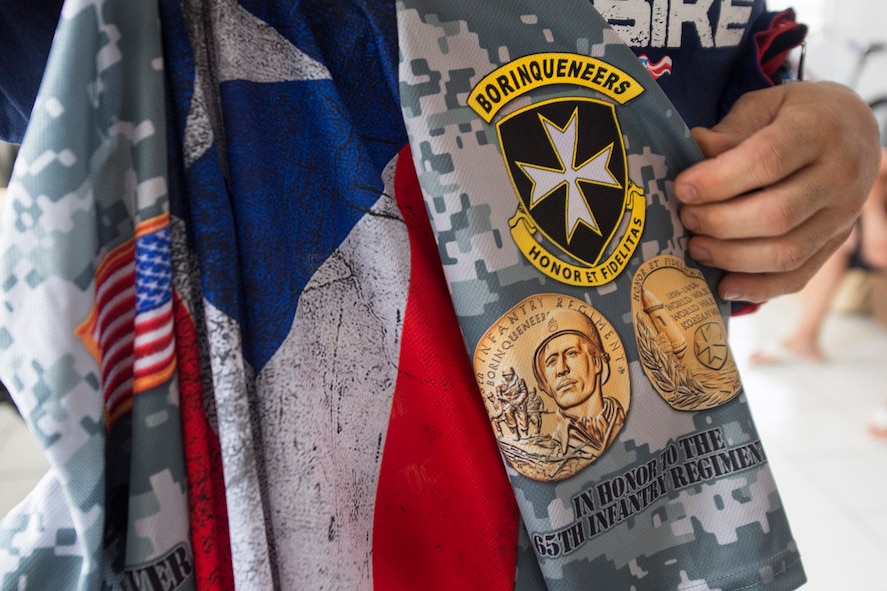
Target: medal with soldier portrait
x=681 y=336
x=554 y=379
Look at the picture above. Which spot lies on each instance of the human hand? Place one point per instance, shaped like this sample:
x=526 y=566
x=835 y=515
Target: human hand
x=785 y=176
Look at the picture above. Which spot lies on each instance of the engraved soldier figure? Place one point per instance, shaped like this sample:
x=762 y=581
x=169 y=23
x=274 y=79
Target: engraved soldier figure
x=572 y=367
x=512 y=393
x=535 y=410
x=496 y=416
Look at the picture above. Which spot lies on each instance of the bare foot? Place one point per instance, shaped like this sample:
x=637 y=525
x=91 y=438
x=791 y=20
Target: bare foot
x=878 y=427
x=787 y=353
x=877 y=432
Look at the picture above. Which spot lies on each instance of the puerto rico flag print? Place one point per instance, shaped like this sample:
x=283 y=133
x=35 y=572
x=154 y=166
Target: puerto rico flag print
x=275 y=305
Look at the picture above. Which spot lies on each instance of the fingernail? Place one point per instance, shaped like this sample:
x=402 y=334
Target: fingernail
x=690 y=221
x=700 y=254
x=733 y=296
x=687 y=194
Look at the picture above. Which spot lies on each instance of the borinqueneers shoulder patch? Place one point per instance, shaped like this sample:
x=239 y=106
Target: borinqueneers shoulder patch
x=579 y=216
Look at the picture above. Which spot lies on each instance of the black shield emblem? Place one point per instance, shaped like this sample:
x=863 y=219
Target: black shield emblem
x=567 y=163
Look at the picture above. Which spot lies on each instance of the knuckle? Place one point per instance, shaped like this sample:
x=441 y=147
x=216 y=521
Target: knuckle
x=772 y=285
x=851 y=173
x=794 y=283
x=770 y=161
x=817 y=121
x=781 y=219
x=790 y=257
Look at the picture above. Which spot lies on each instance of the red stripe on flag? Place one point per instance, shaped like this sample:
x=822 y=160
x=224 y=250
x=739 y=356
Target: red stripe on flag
x=158 y=366
x=115 y=302
x=117 y=314
x=153 y=336
x=117 y=375
x=154 y=320
x=445 y=513
x=117 y=351
x=208 y=510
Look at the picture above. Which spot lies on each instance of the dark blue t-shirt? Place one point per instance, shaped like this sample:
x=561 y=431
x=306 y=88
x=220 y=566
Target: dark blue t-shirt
x=26 y=30
x=701 y=54
x=704 y=54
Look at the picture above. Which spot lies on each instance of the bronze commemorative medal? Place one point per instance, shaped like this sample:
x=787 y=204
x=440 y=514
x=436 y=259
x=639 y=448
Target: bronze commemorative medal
x=681 y=337
x=554 y=379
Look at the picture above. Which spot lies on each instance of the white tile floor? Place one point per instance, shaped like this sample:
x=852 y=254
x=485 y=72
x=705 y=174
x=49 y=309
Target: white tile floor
x=811 y=418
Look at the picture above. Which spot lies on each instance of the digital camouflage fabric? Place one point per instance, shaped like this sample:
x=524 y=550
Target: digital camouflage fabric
x=345 y=295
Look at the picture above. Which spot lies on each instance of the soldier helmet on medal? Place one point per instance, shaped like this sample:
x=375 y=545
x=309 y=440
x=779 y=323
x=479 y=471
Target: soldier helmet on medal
x=570 y=364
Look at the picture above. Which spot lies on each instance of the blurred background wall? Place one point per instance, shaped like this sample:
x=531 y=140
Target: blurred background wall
x=834 y=24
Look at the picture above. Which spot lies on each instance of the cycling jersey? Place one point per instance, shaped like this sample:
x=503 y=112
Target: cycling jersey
x=269 y=268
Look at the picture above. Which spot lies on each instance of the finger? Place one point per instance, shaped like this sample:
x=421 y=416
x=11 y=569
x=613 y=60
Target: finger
x=779 y=254
x=761 y=287
x=766 y=157
x=773 y=212
x=713 y=143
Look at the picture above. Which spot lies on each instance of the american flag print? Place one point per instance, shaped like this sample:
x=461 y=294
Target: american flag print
x=130 y=328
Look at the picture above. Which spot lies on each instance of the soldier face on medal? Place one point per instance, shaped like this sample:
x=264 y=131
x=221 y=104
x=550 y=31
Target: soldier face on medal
x=573 y=370
x=572 y=367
